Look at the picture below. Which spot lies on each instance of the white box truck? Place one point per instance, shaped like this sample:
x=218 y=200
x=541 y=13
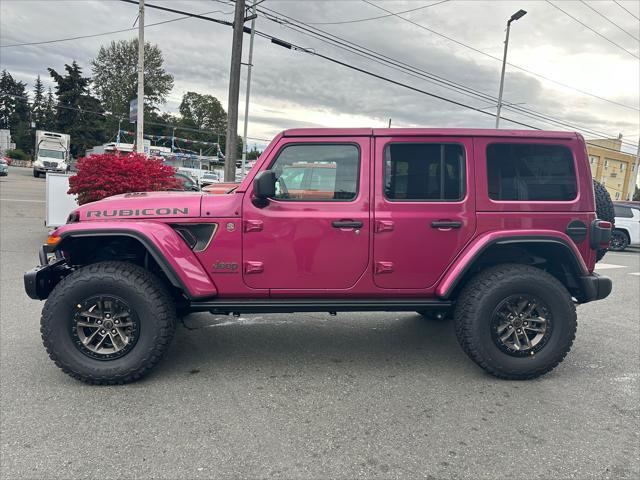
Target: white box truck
x=51 y=153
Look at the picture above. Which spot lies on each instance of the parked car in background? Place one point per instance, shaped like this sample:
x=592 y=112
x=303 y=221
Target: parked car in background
x=210 y=177
x=4 y=168
x=188 y=183
x=627 y=226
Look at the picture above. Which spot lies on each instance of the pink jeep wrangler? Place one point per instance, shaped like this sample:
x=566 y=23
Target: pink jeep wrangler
x=497 y=228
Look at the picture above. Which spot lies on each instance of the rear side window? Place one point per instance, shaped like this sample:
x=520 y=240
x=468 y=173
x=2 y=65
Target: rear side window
x=530 y=172
x=424 y=171
x=622 y=211
x=316 y=172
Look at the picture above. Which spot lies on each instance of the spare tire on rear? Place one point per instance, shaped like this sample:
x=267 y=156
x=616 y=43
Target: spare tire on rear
x=604 y=210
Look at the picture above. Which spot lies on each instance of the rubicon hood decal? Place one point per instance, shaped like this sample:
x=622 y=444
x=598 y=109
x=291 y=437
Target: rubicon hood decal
x=144 y=212
x=151 y=205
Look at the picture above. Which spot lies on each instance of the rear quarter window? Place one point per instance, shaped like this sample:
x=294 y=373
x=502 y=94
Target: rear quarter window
x=622 y=212
x=530 y=172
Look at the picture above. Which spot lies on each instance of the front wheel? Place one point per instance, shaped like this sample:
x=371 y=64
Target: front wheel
x=108 y=323
x=515 y=321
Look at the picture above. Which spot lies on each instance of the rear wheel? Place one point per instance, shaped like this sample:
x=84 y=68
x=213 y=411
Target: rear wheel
x=108 y=323
x=619 y=241
x=515 y=321
x=36 y=174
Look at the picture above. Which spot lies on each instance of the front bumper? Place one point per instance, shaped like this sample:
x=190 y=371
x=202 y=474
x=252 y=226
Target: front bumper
x=595 y=287
x=40 y=281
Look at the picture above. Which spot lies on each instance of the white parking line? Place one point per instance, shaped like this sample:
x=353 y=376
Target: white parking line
x=635 y=273
x=606 y=266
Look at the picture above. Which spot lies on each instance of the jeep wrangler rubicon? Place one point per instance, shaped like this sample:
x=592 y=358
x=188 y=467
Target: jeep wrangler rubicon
x=497 y=228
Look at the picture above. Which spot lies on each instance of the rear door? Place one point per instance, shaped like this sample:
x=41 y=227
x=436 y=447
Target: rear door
x=314 y=234
x=424 y=208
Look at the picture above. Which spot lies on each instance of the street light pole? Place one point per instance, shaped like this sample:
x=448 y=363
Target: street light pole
x=140 y=119
x=514 y=17
x=246 y=100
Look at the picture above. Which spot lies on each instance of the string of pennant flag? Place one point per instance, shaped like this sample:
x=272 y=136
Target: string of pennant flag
x=175 y=139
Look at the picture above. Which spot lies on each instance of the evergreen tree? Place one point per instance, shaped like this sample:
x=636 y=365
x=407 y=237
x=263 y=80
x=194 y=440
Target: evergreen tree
x=50 y=111
x=78 y=113
x=14 y=110
x=38 y=107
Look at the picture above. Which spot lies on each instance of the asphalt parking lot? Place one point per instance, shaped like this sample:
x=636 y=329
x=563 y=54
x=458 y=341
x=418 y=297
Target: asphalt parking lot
x=378 y=395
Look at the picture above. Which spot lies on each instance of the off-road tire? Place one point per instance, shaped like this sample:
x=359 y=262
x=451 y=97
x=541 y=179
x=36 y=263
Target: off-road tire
x=479 y=299
x=604 y=210
x=619 y=241
x=143 y=291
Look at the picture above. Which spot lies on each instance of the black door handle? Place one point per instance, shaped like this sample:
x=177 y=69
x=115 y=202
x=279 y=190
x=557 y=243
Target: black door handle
x=346 y=224
x=446 y=224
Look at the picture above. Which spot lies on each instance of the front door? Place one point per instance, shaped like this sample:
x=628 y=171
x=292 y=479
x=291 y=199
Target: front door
x=424 y=208
x=314 y=234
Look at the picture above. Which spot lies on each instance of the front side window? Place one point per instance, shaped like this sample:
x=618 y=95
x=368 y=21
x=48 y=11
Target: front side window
x=424 y=172
x=317 y=172
x=530 y=172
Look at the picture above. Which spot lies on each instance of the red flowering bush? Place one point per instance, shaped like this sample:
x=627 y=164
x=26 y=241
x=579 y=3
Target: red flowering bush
x=101 y=176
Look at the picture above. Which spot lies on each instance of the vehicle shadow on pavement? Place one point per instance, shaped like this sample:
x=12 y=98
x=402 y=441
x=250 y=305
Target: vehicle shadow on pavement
x=360 y=341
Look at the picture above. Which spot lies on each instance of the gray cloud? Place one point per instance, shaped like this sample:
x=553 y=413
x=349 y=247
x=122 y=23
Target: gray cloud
x=197 y=54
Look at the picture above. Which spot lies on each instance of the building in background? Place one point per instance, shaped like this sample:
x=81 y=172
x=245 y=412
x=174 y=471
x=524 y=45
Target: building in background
x=617 y=170
x=5 y=141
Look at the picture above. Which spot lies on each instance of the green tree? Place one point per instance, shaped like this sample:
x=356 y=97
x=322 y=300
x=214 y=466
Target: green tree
x=115 y=76
x=253 y=154
x=78 y=113
x=50 y=111
x=14 y=110
x=39 y=105
x=204 y=112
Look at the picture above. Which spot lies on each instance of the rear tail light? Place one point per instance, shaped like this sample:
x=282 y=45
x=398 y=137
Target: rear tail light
x=600 y=234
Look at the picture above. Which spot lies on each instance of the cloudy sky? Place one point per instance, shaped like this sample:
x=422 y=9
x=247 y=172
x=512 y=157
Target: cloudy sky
x=567 y=65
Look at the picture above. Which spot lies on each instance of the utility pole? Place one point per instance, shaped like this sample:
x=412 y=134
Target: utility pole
x=234 y=94
x=514 y=17
x=245 y=146
x=140 y=119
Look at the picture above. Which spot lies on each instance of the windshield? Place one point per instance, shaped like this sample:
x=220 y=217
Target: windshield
x=43 y=152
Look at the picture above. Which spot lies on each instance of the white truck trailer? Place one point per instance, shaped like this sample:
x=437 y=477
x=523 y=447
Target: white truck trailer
x=51 y=153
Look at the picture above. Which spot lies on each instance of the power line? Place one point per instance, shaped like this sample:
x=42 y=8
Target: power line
x=413 y=71
x=378 y=17
x=609 y=20
x=508 y=63
x=593 y=30
x=106 y=33
x=625 y=9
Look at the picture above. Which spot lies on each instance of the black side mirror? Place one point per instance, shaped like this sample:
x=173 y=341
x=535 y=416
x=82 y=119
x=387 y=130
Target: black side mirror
x=264 y=187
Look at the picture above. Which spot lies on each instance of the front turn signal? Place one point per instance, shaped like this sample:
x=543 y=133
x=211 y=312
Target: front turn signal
x=53 y=240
